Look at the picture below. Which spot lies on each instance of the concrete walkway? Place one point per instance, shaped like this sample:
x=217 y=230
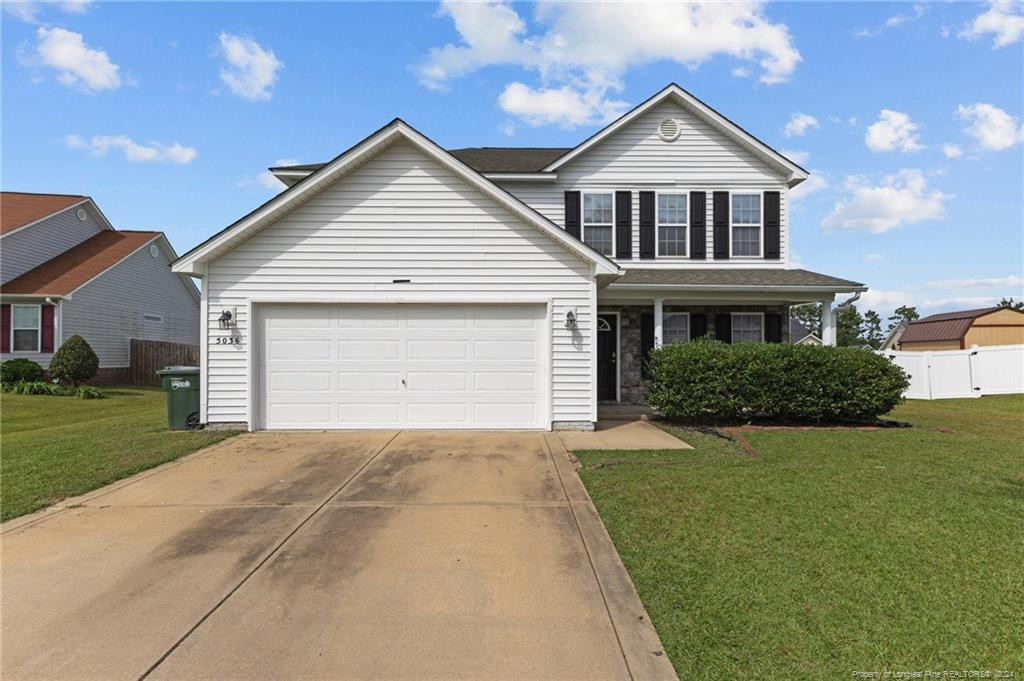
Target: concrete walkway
x=621 y=435
x=369 y=555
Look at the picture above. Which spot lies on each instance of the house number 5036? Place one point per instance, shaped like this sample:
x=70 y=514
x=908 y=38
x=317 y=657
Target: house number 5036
x=228 y=340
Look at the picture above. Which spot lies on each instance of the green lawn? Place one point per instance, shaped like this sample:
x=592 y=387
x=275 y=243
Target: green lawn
x=57 y=447
x=827 y=552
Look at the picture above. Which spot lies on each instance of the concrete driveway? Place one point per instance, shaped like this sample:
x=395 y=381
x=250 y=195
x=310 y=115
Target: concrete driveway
x=349 y=555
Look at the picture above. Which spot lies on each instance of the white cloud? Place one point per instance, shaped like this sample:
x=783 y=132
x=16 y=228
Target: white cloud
x=508 y=128
x=814 y=182
x=588 y=47
x=952 y=151
x=993 y=128
x=884 y=300
x=1011 y=281
x=898 y=19
x=251 y=70
x=133 y=152
x=894 y=131
x=796 y=155
x=901 y=199
x=78 y=65
x=741 y=72
x=799 y=123
x=874 y=256
x=267 y=179
x=962 y=302
x=1004 y=19
x=29 y=11
x=564 y=105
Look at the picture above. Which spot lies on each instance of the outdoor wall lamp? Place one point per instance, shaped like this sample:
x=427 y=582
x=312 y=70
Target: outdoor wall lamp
x=570 y=320
x=225 y=319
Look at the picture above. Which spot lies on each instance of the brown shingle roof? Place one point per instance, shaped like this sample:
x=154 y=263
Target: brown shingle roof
x=487 y=159
x=72 y=268
x=944 y=326
x=736 y=276
x=20 y=208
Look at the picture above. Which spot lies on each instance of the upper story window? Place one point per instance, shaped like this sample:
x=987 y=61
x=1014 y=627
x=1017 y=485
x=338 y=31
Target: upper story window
x=675 y=327
x=597 y=222
x=747 y=327
x=746 y=224
x=25 y=321
x=672 y=224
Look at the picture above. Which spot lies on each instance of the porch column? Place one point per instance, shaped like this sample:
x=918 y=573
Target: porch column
x=658 y=305
x=828 y=323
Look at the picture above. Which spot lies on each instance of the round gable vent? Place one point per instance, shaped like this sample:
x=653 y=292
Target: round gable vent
x=82 y=215
x=668 y=130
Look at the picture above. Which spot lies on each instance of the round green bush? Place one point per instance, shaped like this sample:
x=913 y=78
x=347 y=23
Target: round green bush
x=20 y=369
x=710 y=381
x=74 y=362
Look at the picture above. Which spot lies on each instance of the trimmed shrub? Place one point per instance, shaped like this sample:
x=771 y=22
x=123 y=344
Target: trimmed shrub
x=20 y=369
x=74 y=362
x=710 y=381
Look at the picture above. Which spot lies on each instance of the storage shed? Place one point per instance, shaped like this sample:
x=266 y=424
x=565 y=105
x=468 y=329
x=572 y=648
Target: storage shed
x=960 y=330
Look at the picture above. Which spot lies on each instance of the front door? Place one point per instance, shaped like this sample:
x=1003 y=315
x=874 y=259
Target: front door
x=607 y=358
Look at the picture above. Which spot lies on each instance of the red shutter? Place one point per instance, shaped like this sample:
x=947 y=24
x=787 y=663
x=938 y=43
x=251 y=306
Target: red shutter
x=47 y=344
x=5 y=328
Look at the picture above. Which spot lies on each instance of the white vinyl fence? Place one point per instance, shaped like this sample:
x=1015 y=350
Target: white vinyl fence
x=991 y=370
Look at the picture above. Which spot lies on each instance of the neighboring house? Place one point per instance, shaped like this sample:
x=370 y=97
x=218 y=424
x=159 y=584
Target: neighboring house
x=892 y=340
x=964 y=329
x=404 y=285
x=800 y=335
x=64 y=270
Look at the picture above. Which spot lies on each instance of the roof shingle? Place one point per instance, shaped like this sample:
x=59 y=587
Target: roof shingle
x=18 y=209
x=736 y=276
x=485 y=159
x=72 y=268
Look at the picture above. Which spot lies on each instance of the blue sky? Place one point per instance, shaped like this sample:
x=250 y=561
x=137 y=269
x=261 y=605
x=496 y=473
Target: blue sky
x=908 y=115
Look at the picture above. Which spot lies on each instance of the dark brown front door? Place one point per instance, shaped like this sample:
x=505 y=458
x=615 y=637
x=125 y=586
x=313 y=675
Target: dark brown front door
x=607 y=358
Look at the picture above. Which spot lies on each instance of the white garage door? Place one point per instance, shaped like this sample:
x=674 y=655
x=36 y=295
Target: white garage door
x=402 y=366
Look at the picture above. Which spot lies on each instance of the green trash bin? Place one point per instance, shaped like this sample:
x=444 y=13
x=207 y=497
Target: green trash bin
x=182 y=387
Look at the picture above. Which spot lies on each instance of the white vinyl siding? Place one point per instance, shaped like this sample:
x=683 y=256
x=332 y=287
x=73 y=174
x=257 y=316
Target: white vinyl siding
x=399 y=216
x=30 y=247
x=635 y=159
x=747 y=327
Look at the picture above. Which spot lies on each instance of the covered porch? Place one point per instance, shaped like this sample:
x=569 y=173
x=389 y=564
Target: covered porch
x=638 y=313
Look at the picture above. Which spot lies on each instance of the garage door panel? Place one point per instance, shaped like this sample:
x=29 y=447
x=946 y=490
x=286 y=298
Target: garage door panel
x=370 y=381
x=402 y=365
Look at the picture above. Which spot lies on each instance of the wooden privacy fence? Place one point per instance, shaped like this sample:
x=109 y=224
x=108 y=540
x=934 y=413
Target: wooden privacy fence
x=147 y=356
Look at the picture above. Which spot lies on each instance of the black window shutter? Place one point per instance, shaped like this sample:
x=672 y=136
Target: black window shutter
x=647 y=225
x=698 y=225
x=572 y=213
x=723 y=327
x=646 y=340
x=698 y=325
x=721 y=226
x=624 y=225
x=773 y=327
x=772 y=229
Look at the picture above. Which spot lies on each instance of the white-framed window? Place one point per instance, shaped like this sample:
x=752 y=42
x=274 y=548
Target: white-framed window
x=25 y=328
x=672 y=224
x=747 y=327
x=675 y=327
x=746 y=224
x=599 y=222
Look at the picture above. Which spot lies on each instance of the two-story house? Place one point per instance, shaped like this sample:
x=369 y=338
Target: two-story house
x=65 y=271
x=404 y=285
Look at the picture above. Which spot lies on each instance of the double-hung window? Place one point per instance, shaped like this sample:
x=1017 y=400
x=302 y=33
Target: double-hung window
x=597 y=222
x=675 y=327
x=672 y=224
x=747 y=327
x=746 y=224
x=25 y=321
